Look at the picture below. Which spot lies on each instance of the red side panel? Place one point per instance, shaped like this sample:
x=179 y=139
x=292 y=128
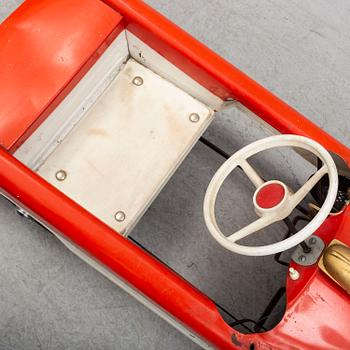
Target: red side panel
x=46 y=47
x=318 y=310
x=172 y=293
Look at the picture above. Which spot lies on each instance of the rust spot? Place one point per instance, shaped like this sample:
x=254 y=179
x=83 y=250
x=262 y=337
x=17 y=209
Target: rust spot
x=97 y=132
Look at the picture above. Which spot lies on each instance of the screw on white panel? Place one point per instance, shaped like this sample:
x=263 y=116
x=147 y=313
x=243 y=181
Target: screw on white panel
x=194 y=117
x=293 y=274
x=138 y=81
x=120 y=216
x=61 y=175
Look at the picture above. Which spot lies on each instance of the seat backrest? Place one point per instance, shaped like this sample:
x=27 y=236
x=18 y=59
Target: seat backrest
x=46 y=47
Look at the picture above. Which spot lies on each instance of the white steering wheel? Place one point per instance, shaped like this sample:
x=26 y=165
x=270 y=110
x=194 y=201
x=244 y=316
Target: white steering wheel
x=273 y=200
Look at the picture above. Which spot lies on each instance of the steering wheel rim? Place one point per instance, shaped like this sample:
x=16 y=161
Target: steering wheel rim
x=267 y=217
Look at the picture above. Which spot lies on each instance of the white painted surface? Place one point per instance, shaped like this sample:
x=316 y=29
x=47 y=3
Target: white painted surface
x=126 y=148
x=280 y=211
x=153 y=60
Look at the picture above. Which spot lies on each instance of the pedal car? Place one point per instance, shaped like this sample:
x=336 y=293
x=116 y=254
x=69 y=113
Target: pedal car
x=100 y=103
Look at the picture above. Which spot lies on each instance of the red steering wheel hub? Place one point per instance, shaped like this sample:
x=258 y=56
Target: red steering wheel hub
x=270 y=195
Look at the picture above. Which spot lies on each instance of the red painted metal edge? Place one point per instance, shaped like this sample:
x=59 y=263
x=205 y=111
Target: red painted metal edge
x=218 y=75
x=310 y=305
x=318 y=311
x=317 y=315
x=171 y=292
x=46 y=48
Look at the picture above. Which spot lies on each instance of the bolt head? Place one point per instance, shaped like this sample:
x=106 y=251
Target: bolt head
x=194 y=117
x=302 y=258
x=312 y=240
x=120 y=216
x=293 y=274
x=61 y=175
x=138 y=81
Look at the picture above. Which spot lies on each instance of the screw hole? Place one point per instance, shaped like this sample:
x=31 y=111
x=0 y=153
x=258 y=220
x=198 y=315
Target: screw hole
x=120 y=216
x=194 y=117
x=138 y=81
x=61 y=175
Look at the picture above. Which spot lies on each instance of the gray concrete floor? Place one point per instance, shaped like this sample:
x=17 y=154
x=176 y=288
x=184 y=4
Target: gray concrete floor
x=49 y=299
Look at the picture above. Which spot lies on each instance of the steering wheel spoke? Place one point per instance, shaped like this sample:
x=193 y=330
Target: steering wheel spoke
x=255 y=226
x=298 y=196
x=253 y=176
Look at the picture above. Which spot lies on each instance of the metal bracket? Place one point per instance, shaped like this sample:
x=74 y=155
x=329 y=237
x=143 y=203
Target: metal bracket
x=306 y=259
x=23 y=213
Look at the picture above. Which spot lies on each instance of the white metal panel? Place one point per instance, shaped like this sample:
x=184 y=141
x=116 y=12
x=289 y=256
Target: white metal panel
x=128 y=145
x=153 y=60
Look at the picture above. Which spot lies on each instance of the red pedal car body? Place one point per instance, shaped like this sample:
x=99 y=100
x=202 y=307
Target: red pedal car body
x=110 y=96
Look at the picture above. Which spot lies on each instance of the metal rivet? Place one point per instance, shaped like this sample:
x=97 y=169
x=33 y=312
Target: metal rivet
x=61 y=175
x=138 y=81
x=23 y=213
x=302 y=258
x=194 y=117
x=312 y=240
x=120 y=216
x=293 y=274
